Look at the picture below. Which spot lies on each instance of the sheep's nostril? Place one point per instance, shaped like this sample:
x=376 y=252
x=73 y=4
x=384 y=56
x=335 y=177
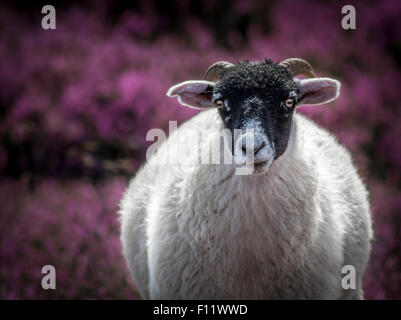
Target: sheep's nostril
x=256 y=149
x=260 y=146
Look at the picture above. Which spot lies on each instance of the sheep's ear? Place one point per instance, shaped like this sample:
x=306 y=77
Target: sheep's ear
x=317 y=90
x=196 y=94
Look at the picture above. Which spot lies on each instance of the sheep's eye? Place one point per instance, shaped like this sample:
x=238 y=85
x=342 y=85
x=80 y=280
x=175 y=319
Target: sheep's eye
x=219 y=103
x=289 y=103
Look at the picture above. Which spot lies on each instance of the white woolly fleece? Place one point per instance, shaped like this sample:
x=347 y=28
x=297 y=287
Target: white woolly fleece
x=202 y=232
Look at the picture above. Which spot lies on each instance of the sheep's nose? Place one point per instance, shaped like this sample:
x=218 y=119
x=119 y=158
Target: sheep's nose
x=253 y=148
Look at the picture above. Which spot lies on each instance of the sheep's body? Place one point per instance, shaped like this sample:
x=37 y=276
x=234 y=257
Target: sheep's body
x=203 y=232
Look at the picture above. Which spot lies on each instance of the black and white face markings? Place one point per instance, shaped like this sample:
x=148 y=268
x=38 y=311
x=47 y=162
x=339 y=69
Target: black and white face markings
x=259 y=96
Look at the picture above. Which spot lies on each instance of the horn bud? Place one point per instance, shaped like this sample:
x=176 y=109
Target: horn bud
x=298 y=66
x=216 y=70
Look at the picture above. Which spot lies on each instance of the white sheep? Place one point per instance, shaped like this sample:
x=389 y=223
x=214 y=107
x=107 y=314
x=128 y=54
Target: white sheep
x=283 y=232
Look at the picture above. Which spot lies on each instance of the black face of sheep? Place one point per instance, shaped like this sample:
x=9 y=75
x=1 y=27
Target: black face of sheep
x=258 y=99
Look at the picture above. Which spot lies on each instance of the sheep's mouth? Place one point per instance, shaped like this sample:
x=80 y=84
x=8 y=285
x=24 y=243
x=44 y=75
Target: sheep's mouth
x=259 y=164
x=262 y=167
x=255 y=166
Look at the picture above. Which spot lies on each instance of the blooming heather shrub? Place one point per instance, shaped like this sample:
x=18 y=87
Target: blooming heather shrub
x=79 y=238
x=76 y=103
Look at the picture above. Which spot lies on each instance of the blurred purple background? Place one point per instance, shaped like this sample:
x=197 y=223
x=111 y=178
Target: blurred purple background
x=76 y=103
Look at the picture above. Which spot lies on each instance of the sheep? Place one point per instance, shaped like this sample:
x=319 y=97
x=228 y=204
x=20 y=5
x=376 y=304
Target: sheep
x=284 y=231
